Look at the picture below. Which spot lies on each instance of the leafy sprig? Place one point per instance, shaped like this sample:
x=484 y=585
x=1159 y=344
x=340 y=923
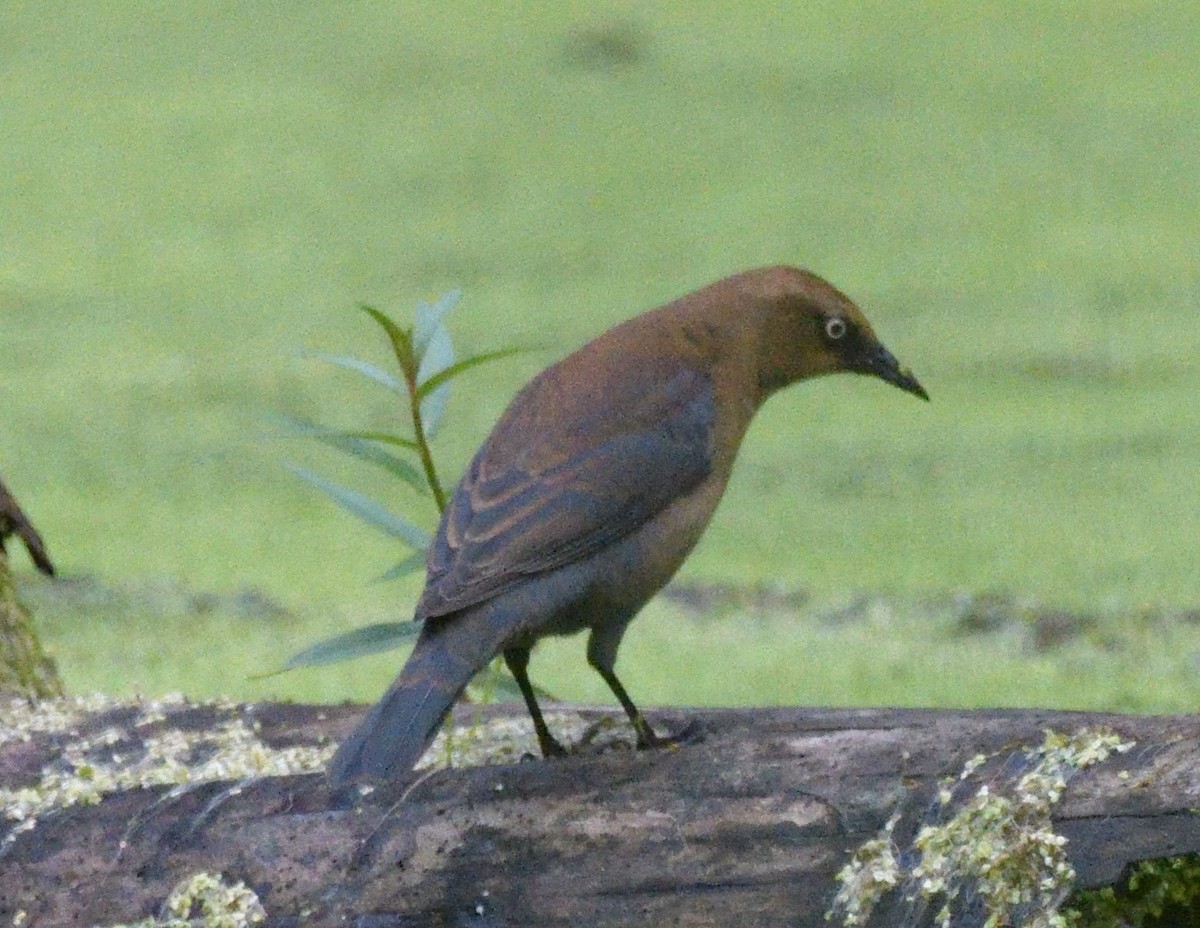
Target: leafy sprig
x=424 y=354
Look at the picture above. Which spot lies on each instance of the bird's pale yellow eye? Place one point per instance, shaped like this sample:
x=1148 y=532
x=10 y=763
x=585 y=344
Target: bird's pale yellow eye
x=835 y=328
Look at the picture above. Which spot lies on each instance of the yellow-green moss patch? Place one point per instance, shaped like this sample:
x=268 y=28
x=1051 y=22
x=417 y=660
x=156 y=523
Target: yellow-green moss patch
x=206 y=900
x=995 y=844
x=123 y=757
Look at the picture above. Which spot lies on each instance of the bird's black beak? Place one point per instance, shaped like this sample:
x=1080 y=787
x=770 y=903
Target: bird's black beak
x=881 y=363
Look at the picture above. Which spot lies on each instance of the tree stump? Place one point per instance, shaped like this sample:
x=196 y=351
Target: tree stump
x=750 y=826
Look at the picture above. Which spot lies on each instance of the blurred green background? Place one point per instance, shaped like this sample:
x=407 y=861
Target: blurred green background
x=194 y=192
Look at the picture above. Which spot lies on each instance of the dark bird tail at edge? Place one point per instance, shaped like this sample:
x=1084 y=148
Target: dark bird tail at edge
x=398 y=729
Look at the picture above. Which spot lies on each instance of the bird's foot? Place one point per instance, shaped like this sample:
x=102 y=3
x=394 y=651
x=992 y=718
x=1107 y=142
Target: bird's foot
x=546 y=750
x=691 y=733
x=550 y=746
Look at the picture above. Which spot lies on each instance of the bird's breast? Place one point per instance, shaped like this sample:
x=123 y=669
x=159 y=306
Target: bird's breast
x=642 y=563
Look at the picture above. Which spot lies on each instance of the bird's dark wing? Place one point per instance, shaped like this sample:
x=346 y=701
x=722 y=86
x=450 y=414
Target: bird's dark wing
x=533 y=502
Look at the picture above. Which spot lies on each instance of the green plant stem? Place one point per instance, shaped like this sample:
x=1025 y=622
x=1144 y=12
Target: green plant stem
x=414 y=400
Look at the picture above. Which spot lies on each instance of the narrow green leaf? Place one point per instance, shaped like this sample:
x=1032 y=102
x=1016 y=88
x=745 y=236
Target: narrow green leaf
x=370 y=639
x=385 y=438
x=411 y=564
x=448 y=373
x=438 y=356
x=362 y=448
x=429 y=318
x=401 y=339
x=366 y=509
x=362 y=367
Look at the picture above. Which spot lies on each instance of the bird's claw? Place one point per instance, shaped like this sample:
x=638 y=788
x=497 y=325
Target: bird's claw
x=691 y=733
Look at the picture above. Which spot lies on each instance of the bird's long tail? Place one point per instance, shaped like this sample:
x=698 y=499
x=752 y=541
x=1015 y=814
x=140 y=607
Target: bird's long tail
x=398 y=729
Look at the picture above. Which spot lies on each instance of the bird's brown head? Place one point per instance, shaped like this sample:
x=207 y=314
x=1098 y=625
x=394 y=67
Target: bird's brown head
x=809 y=328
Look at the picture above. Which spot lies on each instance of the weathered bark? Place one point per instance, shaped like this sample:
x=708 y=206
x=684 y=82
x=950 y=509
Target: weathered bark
x=748 y=827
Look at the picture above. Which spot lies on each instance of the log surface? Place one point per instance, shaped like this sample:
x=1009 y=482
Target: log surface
x=748 y=827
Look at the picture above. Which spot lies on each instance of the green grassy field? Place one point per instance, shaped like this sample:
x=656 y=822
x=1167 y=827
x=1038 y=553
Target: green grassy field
x=193 y=192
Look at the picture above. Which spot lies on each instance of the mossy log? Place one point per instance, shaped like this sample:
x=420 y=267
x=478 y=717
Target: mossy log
x=25 y=669
x=750 y=826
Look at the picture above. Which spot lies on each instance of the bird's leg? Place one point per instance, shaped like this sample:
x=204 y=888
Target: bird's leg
x=602 y=655
x=646 y=738
x=517 y=660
